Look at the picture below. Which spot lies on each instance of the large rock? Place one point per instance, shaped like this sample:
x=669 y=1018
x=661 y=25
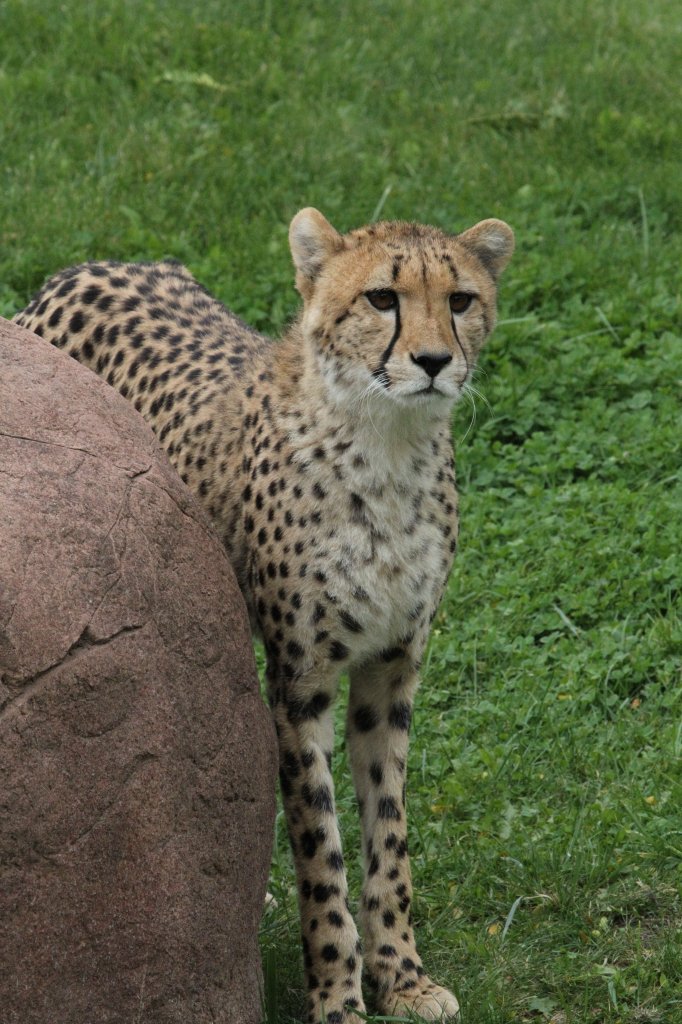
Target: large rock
x=137 y=761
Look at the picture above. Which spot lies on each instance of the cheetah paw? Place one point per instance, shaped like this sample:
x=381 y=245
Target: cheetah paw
x=426 y=1000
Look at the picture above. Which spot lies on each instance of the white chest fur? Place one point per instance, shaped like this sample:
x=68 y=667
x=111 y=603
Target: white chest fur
x=386 y=517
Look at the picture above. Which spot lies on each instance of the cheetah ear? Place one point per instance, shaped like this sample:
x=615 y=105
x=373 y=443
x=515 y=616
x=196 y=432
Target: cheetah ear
x=492 y=241
x=312 y=240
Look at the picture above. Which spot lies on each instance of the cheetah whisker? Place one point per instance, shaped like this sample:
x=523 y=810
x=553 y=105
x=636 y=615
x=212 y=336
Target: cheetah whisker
x=471 y=390
x=472 y=421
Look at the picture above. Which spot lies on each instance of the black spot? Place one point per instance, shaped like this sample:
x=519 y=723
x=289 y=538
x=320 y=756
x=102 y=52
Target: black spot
x=388 y=918
x=357 y=506
x=318 y=797
x=91 y=294
x=387 y=951
x=55 y=317
x=319 y=613
x=400 y=715
x=376 y=773
x=291 y=764
x=388 y=809
x=302 y=711
x=67 y=287
x=349 y=622
x=408 y=965
x=77 y=322
x=365 y=718
x=322 y=893
x=335 y=919
x=391 y=653
x=308 y=844
x=335 y=861
x=337 y=651
x=373 y=865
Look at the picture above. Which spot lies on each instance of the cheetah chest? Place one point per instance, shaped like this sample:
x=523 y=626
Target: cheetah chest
x=384 y=555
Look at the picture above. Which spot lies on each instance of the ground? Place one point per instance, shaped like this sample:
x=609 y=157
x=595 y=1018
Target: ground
x=544 y=776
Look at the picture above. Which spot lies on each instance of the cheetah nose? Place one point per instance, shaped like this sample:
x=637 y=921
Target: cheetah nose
x=431 y=363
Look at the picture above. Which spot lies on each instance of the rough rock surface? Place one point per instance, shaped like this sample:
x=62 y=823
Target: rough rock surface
x=137 y=761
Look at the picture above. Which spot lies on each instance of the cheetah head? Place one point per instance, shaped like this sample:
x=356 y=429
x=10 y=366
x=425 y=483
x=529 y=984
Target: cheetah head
x=397 y=312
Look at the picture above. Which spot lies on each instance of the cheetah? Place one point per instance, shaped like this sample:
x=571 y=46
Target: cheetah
x=326 y=464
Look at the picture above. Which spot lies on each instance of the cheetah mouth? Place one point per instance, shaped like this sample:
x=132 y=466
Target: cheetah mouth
x=430 y=389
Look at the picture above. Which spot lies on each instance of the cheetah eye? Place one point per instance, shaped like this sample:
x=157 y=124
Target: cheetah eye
x=460 y=302
x=383 y=298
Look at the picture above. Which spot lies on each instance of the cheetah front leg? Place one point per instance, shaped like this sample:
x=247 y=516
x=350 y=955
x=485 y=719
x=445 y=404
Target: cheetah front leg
x=379 y=714
x=302 y=710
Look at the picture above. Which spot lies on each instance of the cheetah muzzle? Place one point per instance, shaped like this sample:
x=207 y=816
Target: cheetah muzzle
x=325 y=462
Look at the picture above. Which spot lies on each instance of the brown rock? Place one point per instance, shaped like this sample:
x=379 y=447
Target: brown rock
x=137 y=760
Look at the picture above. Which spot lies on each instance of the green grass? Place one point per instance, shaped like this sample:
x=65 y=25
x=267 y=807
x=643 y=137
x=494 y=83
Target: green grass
x=545 y=779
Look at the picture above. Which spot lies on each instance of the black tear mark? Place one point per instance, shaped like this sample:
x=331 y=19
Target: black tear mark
x=461 y=348
x=380 y=371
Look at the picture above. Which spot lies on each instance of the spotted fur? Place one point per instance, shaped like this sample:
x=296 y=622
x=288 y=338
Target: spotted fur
x=326 y=464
